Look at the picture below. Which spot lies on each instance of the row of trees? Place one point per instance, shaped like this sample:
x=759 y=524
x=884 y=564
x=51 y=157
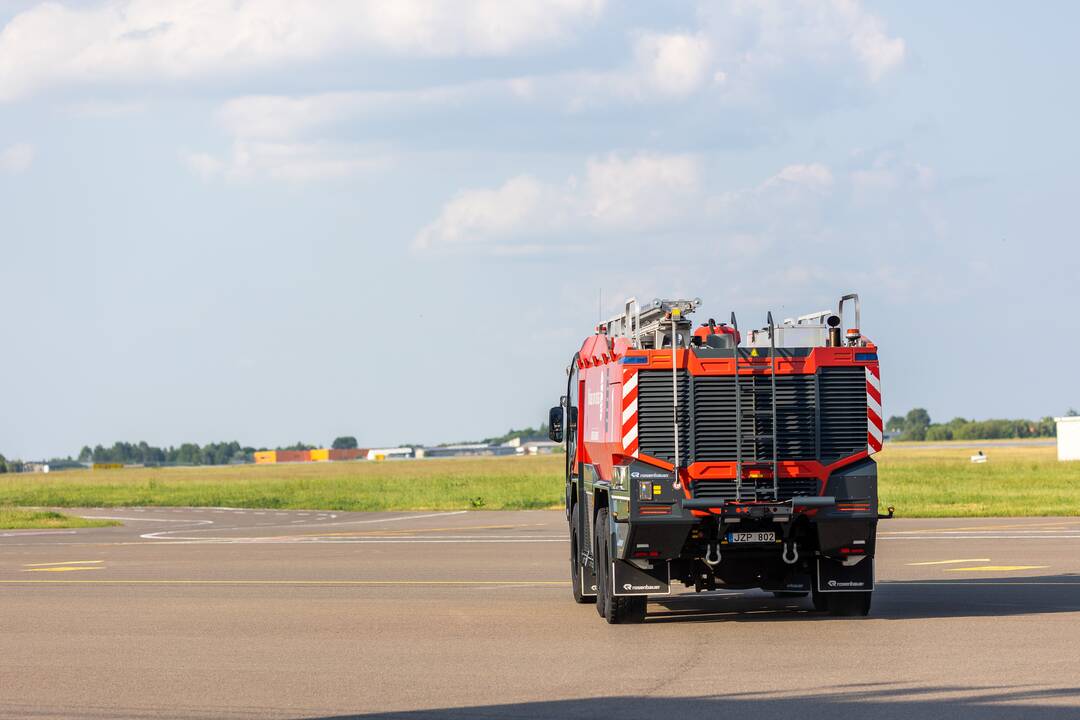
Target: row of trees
x=917 y=425
x=525 y=434
x=143 y=453
x=186 y=454
x=221 y=453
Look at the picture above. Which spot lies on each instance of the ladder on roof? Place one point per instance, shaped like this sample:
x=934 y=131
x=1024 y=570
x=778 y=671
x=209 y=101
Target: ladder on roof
x=751 y=491
x=643 y=324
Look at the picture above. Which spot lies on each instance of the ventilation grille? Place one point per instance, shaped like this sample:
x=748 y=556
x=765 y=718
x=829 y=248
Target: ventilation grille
x=818 y=417
x=843 y=412
x=714 y=417
x=656 y=435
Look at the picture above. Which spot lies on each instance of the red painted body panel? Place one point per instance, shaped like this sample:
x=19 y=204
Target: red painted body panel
x=607 y=420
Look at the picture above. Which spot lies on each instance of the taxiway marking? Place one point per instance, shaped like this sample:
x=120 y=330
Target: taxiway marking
x=997 y=568
x=492 y=583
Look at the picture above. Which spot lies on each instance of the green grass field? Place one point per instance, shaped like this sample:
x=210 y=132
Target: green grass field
x=919 y=481
x=26 y=518
x=443 y=484
x=942 y=481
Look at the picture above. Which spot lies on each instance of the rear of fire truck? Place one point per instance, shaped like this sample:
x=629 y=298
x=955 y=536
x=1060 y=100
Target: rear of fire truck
x=704 y=457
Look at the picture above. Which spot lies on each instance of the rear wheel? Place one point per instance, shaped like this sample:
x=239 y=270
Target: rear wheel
x=615 y=609
x=850 y=604
x=821 y=600
x=575 y=561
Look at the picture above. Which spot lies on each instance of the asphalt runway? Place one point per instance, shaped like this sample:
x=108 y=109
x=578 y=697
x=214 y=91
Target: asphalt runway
x=218 y=613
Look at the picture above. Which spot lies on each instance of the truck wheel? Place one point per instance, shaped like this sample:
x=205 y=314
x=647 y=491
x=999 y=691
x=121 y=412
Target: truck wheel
x=603 y=585
x=616 y=610
x=821 y=600
x=850 y=604
x=575 y=562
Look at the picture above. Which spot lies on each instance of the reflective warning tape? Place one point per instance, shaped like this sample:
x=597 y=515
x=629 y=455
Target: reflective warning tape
x=630 y=411
x=874 y=423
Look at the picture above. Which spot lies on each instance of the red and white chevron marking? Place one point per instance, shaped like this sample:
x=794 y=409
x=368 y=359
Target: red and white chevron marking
x=874 y=423
x=630 y=412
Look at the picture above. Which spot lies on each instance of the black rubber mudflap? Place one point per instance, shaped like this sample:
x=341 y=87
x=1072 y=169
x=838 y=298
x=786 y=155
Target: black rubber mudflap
x=629 y=579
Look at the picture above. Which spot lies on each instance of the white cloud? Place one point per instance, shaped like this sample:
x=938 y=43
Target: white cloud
x=16 y=159
x=626 y=195
x=878 y=178
x=800 y=210
x=794 y=190
x=475 y=217
x=673 y=64
x=756 y=41
x=107 y=108
x=816 y=177
x=132 y=40
x=640 y=192
x=286 y=161
x=741 y=54
x=283 y=116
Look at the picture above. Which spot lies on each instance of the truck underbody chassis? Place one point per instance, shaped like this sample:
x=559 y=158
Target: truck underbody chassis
x=813 y=544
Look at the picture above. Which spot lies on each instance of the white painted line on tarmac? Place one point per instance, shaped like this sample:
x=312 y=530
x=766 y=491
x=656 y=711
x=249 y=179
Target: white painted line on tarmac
x=984 y=537
x=975 y=583
x=338 y=541
x=24 y=533
x=165 y=534
x=441 y=583
x=997 y=568
x=147 y=519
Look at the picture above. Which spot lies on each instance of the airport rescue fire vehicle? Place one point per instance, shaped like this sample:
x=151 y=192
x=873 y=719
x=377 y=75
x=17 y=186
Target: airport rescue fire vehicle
x=704 y=457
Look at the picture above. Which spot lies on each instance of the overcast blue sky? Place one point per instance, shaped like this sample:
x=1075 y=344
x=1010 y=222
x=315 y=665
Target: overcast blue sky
x=274 y=221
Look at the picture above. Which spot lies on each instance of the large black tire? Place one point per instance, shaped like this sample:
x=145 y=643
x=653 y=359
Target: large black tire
x=821 y=600
x=575 y=561
x=850 y=604
x=616 y=610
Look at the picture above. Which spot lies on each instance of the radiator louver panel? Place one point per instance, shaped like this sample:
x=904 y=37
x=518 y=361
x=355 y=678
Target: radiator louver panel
x=843 y=412
x=818 y=417
x=656 y=432
x=714 y=417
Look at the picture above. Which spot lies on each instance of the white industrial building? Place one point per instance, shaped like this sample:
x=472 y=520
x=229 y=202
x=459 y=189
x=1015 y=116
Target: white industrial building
x=394 y=453
x=1068 y=438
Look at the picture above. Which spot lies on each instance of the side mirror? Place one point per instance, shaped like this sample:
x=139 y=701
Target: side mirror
x=555 y=424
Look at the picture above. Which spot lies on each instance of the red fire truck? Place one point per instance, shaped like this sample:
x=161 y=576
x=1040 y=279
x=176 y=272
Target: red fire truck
x=713 y=459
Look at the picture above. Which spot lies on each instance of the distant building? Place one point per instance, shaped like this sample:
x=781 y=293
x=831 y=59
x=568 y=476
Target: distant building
x=1068 y=438
x=396 y=453
x=266 y=457
x=470 y=450
x=539 y=447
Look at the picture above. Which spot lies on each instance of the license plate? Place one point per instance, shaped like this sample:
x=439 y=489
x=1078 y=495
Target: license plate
x=751 y=537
